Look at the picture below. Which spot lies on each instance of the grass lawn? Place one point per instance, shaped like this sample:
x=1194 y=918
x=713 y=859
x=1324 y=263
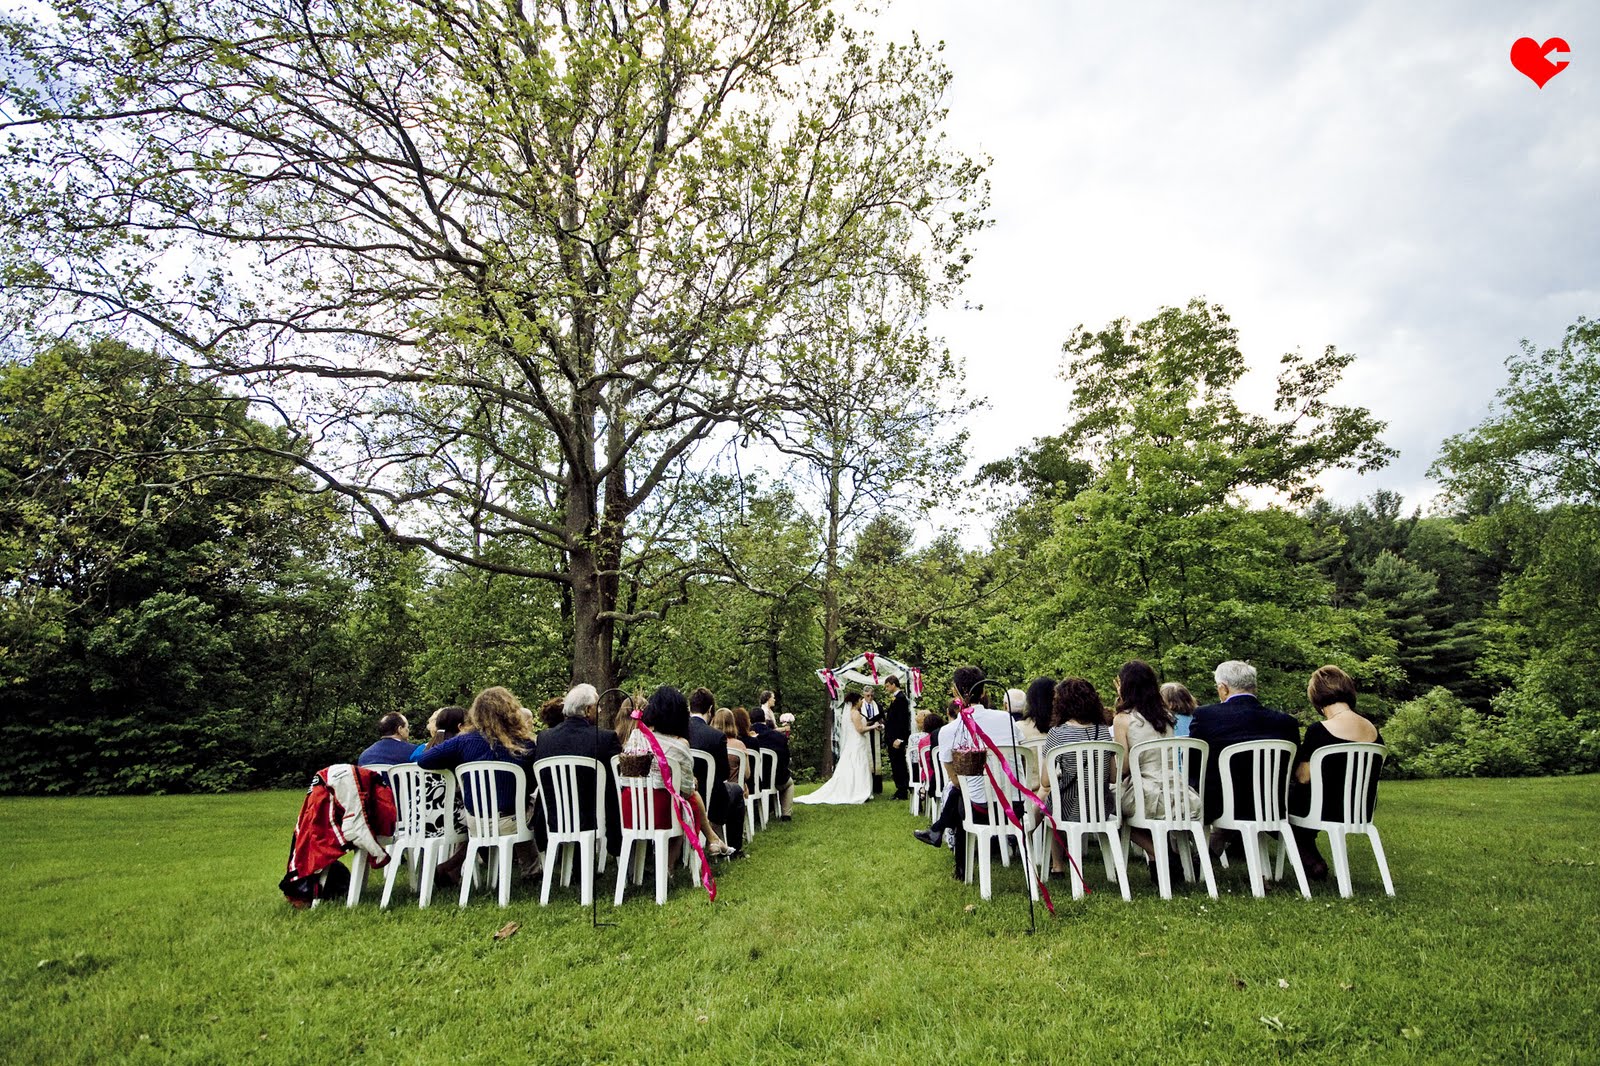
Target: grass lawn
x=151 y=929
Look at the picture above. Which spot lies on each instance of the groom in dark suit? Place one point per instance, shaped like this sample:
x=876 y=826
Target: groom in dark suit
x=897 y=730
x=1237 y=717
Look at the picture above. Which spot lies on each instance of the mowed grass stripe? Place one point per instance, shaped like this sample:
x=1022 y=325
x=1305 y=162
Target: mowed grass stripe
x=839 y=939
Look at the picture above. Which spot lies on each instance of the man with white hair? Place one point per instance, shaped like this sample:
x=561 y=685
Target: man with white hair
x=1238 y=716
x=578 y=734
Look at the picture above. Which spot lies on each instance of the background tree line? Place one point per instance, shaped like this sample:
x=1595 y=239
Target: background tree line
x=177 y=616
x=417 y=346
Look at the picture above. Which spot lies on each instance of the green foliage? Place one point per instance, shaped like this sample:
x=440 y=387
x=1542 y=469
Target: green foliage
x=167 y=613
x=1163 y=555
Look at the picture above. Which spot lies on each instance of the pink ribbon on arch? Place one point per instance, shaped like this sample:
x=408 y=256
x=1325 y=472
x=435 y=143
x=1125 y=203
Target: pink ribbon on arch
x=872 y=664
x=1011 y=815
x=682 y=809
x=831 y=682
x=916 y=683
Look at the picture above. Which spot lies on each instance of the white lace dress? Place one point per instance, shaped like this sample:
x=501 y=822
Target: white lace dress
x=852 y=776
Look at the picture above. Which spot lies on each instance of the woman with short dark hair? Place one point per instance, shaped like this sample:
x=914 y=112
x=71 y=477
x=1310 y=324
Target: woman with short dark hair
x=1333 y=693
x=667 y=716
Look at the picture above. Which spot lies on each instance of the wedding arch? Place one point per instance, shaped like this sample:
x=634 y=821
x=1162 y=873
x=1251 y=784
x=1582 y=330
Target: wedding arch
x=868 y=668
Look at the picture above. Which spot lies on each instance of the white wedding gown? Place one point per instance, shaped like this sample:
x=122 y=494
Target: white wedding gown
x=852 y=777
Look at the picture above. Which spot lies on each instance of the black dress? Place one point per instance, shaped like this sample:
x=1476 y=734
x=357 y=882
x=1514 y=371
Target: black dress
x=1317 y=736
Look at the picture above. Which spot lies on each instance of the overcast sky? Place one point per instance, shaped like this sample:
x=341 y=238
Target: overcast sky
x=1372 y=175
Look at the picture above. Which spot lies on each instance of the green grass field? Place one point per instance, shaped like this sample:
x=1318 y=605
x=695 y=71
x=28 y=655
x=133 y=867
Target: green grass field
x=151 y=929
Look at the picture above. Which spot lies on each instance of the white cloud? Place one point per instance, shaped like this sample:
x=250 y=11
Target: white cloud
x=1372 y=175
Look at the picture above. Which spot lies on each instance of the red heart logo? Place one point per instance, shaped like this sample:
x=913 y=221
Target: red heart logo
x=1530 y=57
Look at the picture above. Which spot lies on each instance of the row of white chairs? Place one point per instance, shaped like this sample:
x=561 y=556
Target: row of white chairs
x=496 y=832
x=1096 y=767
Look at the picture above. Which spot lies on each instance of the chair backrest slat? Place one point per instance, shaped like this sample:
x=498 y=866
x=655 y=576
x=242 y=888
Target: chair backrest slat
x=1096 y=769
x=1357 y=791
x=410 y=784
x=562 y=790
x=1267 y=777
x=1161 y=762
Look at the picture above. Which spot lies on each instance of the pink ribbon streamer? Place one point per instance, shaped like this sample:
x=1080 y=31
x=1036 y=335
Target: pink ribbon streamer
x=916 y=683
x=830 y=681
x=1011 y=815
x=872 y=664
x=682 y=809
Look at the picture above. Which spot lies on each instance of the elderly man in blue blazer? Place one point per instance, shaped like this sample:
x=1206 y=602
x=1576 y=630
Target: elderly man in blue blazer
x=1238 y=716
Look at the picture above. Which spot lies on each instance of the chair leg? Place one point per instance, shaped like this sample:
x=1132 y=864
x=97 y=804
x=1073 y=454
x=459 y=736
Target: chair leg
x=623 y=861
x=1253 y=863
x=1286 y=845
x=661 y=871
x=392 y=874
x=1158 y=837
x=506 y=868
x=1339 y=851
x=549 y=874
x=358 y=879
x=985 y=869
x=1118 y=858
x=1383 y=862
x=586 y=848
x=430 y=871
x=1075 y=862
x=1203 y=857
x=469 y=872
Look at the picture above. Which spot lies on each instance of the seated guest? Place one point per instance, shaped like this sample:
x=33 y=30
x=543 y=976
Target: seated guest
x=1040 y=699
x=728 y=722
x=442 y=725
x=496 y=729
x=624 y=719
x=393 y=744
x=1140 y=717
x=1333 y=694
x=1076 y=714
x=928 y=724
x=1238 y=717
x=578 y=733
x=768 y=737
x=1016 y=704
x=551 y=712
x=725 y=804
x=667 y=716
x=1181 y=703
x=967 y=684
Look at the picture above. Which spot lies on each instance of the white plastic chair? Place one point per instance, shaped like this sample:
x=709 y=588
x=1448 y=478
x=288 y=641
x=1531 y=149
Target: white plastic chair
x=411 y=838
x=1267 y=778
x=1357 y=794
x=360 y=864
x=636 y=801
x=1184 y=813
x=937 y=787
x=477 y=781
x=1097 y=766
x=746 y=762
x=562 y=796
x=992 y=825
x=915 y=784
x=766 y=797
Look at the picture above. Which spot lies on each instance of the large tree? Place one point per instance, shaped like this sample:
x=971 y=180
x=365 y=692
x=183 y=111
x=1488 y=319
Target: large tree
x=510 y=263
x=1174 y=551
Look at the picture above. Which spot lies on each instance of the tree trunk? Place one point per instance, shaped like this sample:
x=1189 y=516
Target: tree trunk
x=830 y=613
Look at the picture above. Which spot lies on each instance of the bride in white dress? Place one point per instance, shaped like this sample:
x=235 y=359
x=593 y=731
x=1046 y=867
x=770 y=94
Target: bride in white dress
x=852 y=777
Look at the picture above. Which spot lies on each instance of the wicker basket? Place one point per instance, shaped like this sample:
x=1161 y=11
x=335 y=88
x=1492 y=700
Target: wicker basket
x=635 y=763
x=968 y=762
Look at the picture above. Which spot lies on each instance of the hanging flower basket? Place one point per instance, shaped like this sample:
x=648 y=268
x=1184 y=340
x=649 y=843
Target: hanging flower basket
x=635 y=763
x=968 y=762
